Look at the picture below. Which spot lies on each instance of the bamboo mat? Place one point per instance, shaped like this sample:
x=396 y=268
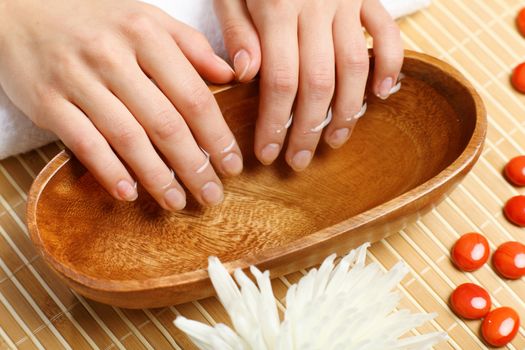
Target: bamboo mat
x=38 y=312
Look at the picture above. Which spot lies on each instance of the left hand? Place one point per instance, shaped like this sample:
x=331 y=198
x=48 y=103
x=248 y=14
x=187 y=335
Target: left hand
x=312 y=54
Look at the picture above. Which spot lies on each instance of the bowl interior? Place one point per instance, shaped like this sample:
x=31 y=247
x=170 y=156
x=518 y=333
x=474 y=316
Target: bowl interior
x=399 y=144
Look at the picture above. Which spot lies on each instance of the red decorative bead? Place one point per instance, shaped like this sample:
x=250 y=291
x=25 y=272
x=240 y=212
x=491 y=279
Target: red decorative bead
x=500 y=326
x=470 y=301
x=515 y=170
x=470 y=252
x=509 y=260
x=515 y=210
x=518 y=78
x=520 y=21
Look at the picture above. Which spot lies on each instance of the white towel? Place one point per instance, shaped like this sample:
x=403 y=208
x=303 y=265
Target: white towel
x=18 y=134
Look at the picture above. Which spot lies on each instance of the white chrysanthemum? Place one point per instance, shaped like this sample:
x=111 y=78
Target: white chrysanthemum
x=345 y=306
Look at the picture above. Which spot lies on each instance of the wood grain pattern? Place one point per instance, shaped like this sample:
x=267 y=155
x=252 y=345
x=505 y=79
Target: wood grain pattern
x=404 y=156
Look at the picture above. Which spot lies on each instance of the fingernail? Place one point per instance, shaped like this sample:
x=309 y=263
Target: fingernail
x=229 y=147
x=324 y=123
x=232 y=164
x=174 y=199
x=212 y=193
x=359 y=114
x=301 y=160
x=127 y=191
x=269 y=153
x=338 y=137
x=224 y=64
x=384 y=88
x=241 y=64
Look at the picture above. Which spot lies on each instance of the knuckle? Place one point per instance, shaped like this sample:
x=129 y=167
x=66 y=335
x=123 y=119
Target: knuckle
x=139 y=25
x=391 y=29
x=283 y=81
x=46 y=100
x=101 y=53
x=126 y=137
x=83 y=146
x=231 y=29
x=320 y=83
x=168 y=126
x=68 y=65
x=199 y=100
x=356 y=63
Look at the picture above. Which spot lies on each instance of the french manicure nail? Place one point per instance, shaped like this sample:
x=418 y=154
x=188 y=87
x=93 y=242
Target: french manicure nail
x=224 y=64
x=229 y=147
x=301 y=160
x=174 y=199
x=232 y=164
x=359 y=114
x=338 y=137
x=241 y=63
x=127 y=191
x=384 y=88
x=211 y=193
x=395 y=88
x=269 y=153
x=324 y=123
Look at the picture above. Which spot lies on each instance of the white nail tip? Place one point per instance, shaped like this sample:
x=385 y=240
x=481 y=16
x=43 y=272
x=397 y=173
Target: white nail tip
x=395 y=88
x=228 y=148
x=289 y=122
x=359 y=114
x=325 y=122
x=286 y=126
x=206 y=163
x=244 y=71
x=203 y=166
x=172 y=179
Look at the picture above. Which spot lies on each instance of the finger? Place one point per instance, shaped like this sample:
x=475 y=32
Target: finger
x=279 y=81
x=78 y=133
x=194 y=101
x=316 y=87
x=352 y=64
x=193 y=43
x=168 y=131
x=388 y=47
x=128 y=139
x=240 y=37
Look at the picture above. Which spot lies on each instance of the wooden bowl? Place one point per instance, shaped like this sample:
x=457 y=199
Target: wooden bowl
x=404 y=156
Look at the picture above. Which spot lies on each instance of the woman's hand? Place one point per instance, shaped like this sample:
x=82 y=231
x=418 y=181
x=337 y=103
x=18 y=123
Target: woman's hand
x=314 y=55
x=121 y=78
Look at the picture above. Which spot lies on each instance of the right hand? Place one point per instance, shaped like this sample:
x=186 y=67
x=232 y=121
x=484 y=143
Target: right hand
x=121 y=78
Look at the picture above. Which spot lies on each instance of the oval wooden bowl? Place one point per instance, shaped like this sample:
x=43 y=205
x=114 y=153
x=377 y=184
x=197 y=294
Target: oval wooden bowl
x=404 y=156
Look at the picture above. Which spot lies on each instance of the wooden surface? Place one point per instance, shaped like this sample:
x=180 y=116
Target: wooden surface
x=398 y=164
x=478 y=37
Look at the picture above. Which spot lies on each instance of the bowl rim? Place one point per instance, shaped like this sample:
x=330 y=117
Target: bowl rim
x=464 y=161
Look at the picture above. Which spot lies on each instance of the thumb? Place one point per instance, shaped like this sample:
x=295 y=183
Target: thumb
x=240 y=38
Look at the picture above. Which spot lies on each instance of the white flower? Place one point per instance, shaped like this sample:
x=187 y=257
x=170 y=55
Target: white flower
x=345 y=306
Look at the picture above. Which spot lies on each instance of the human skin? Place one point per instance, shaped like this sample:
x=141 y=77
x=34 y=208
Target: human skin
x=311 y=54
x=121 y=82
